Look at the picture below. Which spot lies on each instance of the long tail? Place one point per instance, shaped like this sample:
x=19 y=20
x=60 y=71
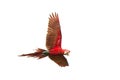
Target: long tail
x=38 y=54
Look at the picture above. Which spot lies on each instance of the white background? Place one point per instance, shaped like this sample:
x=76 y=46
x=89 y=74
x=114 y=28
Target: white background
x=90 y=28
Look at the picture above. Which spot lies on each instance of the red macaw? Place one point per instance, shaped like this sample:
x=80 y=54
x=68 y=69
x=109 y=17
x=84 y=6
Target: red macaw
x=53 y=44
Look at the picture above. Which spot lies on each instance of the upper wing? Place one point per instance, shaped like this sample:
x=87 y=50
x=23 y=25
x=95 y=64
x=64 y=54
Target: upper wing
x=59 y=59
x=54 y=36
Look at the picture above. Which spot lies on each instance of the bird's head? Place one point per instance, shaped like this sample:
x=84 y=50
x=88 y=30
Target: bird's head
x=66 y=52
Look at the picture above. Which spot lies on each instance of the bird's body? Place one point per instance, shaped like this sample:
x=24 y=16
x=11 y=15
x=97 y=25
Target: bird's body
x=56 y=51
x=53 y=43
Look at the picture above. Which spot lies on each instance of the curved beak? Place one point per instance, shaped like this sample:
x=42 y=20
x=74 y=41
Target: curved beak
x=67 y=53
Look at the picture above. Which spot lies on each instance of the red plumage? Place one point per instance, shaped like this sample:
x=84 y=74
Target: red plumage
x=53 y=43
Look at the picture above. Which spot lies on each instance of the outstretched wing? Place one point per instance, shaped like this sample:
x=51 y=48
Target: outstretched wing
x=54 y=36
x=59 y=59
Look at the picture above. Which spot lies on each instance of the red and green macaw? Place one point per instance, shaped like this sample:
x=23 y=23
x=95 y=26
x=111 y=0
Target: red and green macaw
x=53 y=43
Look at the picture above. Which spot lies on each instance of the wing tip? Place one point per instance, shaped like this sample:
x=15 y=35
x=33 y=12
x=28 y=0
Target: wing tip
x=53 y=15
x=64 y=65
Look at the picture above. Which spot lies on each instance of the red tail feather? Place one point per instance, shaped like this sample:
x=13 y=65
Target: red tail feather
x=38 y=54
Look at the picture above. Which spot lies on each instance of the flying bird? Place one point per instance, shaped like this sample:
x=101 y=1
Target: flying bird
x=53 y=43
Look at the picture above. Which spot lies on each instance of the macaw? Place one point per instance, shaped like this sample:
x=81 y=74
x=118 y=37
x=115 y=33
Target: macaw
x=53 y=44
